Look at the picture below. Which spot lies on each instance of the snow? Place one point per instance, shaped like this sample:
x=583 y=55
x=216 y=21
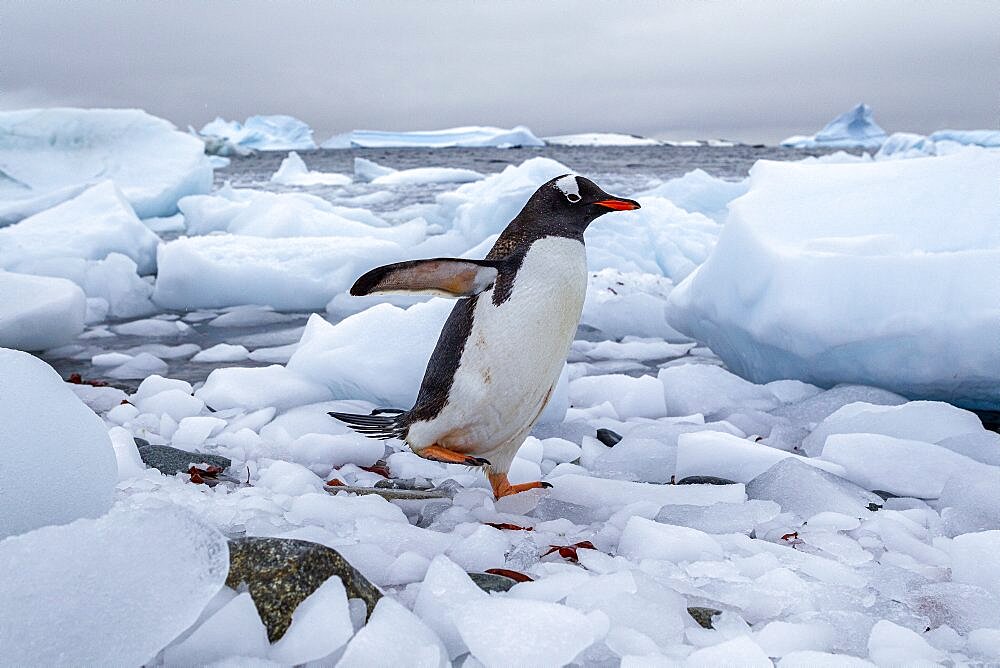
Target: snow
x=45 y=422
x=38 y=312
x=600 y=139
x=467 y=137
x=293 y=172
x=874 y=260
x=263 y=133
x=855 y=128
x=49 y=153
x=91 y=226
x=97 y=580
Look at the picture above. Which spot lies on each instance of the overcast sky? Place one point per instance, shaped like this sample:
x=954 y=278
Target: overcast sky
x=754 y=71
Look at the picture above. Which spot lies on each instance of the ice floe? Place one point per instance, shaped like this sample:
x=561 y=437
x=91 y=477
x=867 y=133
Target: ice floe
x=44 y=422
x=48 y=153
x=293 y=172
x=39 y=312
x=904 y=306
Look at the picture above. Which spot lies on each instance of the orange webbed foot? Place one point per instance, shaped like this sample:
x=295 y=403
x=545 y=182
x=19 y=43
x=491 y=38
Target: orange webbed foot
x=502 y=487
x=436 y=453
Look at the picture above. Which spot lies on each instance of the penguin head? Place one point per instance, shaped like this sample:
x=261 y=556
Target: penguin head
x=576 y=201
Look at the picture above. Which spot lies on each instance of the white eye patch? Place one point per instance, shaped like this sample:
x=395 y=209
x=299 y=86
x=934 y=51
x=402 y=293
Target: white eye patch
x=569 y=187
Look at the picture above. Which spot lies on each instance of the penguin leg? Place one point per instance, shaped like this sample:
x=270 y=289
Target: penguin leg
x=502 y=487
x=436 y=453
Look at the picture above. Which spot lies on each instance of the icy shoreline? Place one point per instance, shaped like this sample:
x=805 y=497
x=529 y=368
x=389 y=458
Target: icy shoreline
x=695 y=518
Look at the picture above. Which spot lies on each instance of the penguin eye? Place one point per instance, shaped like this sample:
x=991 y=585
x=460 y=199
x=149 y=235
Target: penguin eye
x=573 y=197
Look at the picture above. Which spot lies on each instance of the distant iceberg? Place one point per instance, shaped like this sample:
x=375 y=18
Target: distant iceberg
x=51 y=155
x=465 y=137
x=986 y=138
x=600 y=139
x=263 y=133
x=852 y=129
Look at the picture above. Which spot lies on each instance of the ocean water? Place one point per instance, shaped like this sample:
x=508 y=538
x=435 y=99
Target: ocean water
x=619 y=170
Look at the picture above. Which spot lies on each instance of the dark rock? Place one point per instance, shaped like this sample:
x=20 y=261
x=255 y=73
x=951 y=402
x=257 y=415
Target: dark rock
x=280 y=573
x=490 y=582
x=170 y=460
x=704 y=616
x=704 y=480
x=884 y=494
x=608 y=437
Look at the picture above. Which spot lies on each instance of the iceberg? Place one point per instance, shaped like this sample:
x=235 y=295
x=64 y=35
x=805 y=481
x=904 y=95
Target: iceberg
x=600 y=139
x=52 y=153
x=985 y=138
x=896 y=285
x=262 y=133
x=91 y=226
x=293 y=172
x=466 y=137
x=852 y=129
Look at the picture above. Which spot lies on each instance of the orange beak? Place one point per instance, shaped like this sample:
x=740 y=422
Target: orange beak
x=618 y=204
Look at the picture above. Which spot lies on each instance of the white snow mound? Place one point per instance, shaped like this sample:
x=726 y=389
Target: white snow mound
x=46 y=426
x=883 y=274
x=45 y=151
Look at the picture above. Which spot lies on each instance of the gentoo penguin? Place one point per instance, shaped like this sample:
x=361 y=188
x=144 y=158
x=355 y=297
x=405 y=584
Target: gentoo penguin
x=502 y=348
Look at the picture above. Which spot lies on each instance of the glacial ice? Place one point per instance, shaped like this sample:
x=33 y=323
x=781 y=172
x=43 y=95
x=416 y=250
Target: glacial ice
x=51 y=152
x=875 y=262
x=44 y=423
x=855 y=128
x=91 y=226
x=96 y=585
x=263 y=133
x=467 y=137
x=986 y=138
x=700 y=192
x=39 y=312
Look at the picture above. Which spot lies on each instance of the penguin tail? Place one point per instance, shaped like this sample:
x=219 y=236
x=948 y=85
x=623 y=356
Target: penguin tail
x=381 y=424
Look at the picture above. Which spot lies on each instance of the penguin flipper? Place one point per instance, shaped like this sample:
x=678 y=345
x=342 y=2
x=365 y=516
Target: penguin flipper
x=442 y=276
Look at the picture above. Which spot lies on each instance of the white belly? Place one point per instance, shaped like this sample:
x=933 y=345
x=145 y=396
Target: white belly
x=513 y=356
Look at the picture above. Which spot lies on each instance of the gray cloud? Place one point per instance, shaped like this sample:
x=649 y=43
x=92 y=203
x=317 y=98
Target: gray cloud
x=744 y=70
